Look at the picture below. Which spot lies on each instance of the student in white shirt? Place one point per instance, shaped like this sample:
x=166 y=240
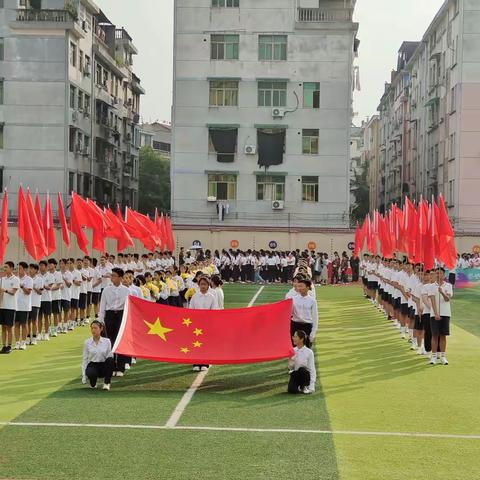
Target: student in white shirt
x=96 y=286
x=56 y=295
x=74 y=292
x=9 y=284
x=303 y=374
x=304 y=311
x=97 y=358
x=440 y=295
x=66 y=296
x=36 y=301
x=82 y=299
x=217 y=290
x=24 y=306
x=203 y=300
x=46 y=301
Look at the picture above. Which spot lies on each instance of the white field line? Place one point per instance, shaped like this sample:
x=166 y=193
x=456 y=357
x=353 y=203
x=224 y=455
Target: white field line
x=188 y=395
x=247 y=430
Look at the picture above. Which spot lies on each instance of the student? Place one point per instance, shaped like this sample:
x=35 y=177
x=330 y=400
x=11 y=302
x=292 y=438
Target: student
x=303 y=374
x=9 y=284
x=96 y=286
x=46 y=301
x=74 y=293
x=110 y=314
x=97 y=358
x=217 y=290
x=304 y=311
x=56 y=296
x=82 y=299
x=440 y=294
x=24 y=306
x=203 y=300
x=37 y=289
x=88 y=273
x=66 y=296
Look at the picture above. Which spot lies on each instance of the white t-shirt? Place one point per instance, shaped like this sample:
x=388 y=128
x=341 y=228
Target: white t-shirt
x=75 y=289
x=443 y=307
x=305 y=310
x=9 y=302
x=66 y=292
x=203 y=301
x=57 y=294
x=96 y=277
x=38 y=284
x=84 y=286
x=48 y=281
x=24 y=301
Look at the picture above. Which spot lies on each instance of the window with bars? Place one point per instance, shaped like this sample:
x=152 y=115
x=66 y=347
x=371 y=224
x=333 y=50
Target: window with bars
x=270 y=187
x=72 y=96
x=310 y=141
x=222 y=186
x=2 y=48
x=311 y=95
x=2 y=86
x=225 y=3
x=272 y=47
x=272 y=93
x=224 y=47
x=73 y=54
x=310 y=189
x=223 y=93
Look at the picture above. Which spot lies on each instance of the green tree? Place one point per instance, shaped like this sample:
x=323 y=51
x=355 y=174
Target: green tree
x=154 y=182
x=361 y=191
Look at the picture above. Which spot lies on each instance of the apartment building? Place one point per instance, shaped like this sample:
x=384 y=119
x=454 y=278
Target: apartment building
x=158 y=136
x=371 y=160
x=356 y=158
x=430 y=117
x=262 y=112
x=69 y=101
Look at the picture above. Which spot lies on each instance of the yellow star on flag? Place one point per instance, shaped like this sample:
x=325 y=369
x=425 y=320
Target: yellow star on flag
x=197 y=344
x=187 y=322
x=158 y=329
x=198 y=332
x=184 y=350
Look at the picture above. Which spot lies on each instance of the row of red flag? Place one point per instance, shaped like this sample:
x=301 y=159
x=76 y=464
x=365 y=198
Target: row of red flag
x=422 y=232
x=37 y=229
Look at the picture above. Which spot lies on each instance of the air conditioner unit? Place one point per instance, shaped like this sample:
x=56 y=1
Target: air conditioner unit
x=250 y=150
x=278 y=112
x=278 y=205
x=211 y=199
x=86 y=70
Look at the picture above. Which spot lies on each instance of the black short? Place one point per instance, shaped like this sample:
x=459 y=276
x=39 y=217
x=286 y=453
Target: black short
x=33 y=315
x=56 y=306
x=411 y=313
x=21 y=317
x=65 y=305
x=419 y=323
x=440 y=327
x=365 y=281
x=397 y=304
x=46 y=308
x=7 y=317
x=89 y=298
x=74 y=303
x=96 y=298
x=390 y=299
x=82 y=301
x=404 y=308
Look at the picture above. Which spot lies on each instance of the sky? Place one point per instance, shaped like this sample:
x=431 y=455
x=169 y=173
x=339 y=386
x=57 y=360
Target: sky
x=383 y=26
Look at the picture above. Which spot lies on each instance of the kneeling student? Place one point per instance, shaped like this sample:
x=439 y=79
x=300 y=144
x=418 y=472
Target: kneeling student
x=302 y=365
x=97 y=358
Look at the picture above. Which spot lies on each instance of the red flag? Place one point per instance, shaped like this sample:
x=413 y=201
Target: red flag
x=63 y=222
x=178 y=335
x=38 y=209
x=421 y=231
x=159 y=230
x=25 y=227
x=76 y=225
x=371 y=240
x=137 y=229
x=447 y=251
x=49 y=227
x=21 y=213
x=4 y=227
x=169 y=231
x=358 y=240
x=117 y=230
x=410 y=228
x=36 y=227
x=383 y=236
x=429 y=248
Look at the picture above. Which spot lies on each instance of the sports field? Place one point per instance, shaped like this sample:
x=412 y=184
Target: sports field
x=380 y=412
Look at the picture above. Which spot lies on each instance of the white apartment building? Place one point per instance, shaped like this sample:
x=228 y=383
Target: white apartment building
x=262 y=112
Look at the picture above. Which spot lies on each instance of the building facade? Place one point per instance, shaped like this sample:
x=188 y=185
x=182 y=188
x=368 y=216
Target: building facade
x=356 y=158
x=371 y=160
x=430 y=117
x=69 y=101
x=262 y=111
x=158 y=136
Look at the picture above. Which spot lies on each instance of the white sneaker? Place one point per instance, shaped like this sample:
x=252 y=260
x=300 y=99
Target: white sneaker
x=134 y=361
x=17 y=346
x=23 y=346
x=433 y=360
x=92 y=388
x=127 y=366
x=33 y=341
x=419 y=351
x=444 y=360
x=54 y=333
x=306 y=391
x=120 y=374
x=196 y=369
x=46 y=337
x=203 y=369
x=106 y=386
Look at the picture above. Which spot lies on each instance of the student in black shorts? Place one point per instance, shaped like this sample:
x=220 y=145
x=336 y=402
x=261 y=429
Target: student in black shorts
x=9 y=284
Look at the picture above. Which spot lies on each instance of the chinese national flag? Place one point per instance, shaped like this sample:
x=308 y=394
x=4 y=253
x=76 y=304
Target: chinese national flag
x=4 y=227
x=49 y=228
x=447 y=251
x=116 y=229
x=358 y=240
x=179 y=335
x=63 y=221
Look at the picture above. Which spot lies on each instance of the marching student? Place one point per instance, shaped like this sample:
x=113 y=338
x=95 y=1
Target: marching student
x=429 y=278
x=96 y=286
x=24 y=306
x=37 y=289
x=217 y=290
x=82 y=299
x=203 y=300
x=66 y=296
x=128 y=279
x=74 y=293
x=440 y=294
x=304 y=311
x=9 y=284
x=110 y=314
x=88 y=273
x=97 y=358
x=56 y=295
x=46 y=301
x=303 y=374
x=419 y=326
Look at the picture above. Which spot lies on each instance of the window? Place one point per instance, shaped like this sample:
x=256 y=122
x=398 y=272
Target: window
x=270 y=188
x=98 y=74
x=311 y=95
x=2 y=85
x=2 y=128
x=225 y=3
x=161 y=146
x=223 y=93
x=223 y=142
x=80 y=100
x=453 y=145
x=272 y=93
x=310 y=141
x=222 y=186
x=310 y=189
x=87 y=64
x=72 y=96
x=271 y=146
x=272 y=47
x=86 y=145
x=73 y=54
x=2 y=49
x=224 y=47
x=71 y=182
x=453 y=100
x=80 y=60
x=86 y=105
x=72 y=135
x=451 y=193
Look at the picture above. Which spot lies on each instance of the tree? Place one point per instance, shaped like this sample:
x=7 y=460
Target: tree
x=154 y=182
x=361 y=191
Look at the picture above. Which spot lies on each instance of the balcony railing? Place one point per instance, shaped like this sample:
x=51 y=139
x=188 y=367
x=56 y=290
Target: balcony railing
x=121 y=34
x=30 y=15
x=315 y=15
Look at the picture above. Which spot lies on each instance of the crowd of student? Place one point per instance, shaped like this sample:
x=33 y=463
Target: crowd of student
x=417 y=301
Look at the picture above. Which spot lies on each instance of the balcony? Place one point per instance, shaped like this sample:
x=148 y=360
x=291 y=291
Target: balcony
x=318 y=15
x=45 y=19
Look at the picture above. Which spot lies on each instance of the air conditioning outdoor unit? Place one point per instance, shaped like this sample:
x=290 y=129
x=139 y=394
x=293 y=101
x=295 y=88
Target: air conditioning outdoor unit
x=278 y=205
x=250 y=150
x=211 y=199
x=278 y=113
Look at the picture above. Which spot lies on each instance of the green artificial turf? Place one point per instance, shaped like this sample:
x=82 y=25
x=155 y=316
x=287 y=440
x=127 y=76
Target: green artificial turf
x=368 y=381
